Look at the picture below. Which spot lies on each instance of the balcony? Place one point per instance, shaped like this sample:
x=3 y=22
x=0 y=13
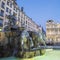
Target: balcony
x=1 y=16
x=1 y=22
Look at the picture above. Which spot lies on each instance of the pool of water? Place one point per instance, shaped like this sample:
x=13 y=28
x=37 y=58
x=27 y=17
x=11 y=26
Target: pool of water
x=49 y=55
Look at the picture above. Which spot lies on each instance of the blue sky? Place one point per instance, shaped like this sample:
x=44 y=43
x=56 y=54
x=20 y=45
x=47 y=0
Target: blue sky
x=41 y=10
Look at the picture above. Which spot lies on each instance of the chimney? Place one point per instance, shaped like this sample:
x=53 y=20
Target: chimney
x=22 y=9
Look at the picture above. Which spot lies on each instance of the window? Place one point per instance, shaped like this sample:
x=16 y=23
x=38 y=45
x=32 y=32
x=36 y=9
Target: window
x=18 y=18
x=10 y=11
x=1 y=22
x=11 y=5
x=19 y=14
x=16 y=9
x=26 y=22
x=7 y=2
x=7 y=9
x=2 y=13
x=3 y=5
x=6 y=23
x=14 y=14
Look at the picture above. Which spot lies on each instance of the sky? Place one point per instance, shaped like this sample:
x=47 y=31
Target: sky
x=41 y=10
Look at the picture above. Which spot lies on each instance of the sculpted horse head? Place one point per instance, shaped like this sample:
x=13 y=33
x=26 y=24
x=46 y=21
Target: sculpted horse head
x=26 y=40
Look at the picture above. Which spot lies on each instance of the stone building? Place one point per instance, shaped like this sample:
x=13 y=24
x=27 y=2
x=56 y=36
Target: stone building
x=10 y=7
x=53 y=31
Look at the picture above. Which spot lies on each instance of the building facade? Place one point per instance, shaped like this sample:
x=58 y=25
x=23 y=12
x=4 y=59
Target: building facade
x=10 y=7
x=53 y=32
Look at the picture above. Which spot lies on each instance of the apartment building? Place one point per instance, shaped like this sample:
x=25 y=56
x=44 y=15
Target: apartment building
x=53 y=31
x=10 y=7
